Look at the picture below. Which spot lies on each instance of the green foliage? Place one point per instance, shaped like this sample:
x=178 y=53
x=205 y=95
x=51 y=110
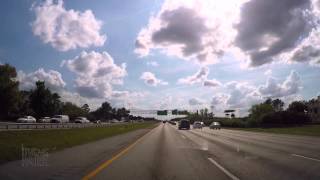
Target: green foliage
x=9 y=91
x=73 y=110
x=258 y=111
x=85 y=108
x=284 y=118
x=298 y=106
x=104 y=112
x=43 y=101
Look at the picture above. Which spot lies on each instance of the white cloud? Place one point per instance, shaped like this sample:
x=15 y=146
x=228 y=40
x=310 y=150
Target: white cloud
x=66 y=29
x=211 y=83
x=257 y=31
x=96 y=72
x=268 y=72
x=76 y=98
x=151 y=80
x=191 y=30
x=290 y=86
x=53 y=79
x=241 y=95
x=195 y=101
x=198 y=77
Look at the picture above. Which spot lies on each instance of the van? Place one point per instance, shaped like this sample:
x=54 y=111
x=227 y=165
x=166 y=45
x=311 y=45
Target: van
x=184 y=124
x=60 y=119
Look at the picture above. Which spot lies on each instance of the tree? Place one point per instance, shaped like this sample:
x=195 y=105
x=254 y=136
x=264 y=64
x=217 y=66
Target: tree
x=43 y=102
x=205 y=112
x=258 y=111
x=103 y=112
x=72 y=110
x=122 y=112
x=277 y=105
x=9 y=91
x=85 y=108
x=297 y=106
x=24 y=107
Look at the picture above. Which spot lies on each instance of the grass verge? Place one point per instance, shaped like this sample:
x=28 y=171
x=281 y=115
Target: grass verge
x=308 y=130
x=56 y=139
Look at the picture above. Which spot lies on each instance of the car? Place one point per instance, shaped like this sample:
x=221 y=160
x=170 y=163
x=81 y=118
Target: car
x=81 y=120
x=97 y=121
x=114 y=121
x=60 y=119
x=164 y=122
x=184 y=124
x=26 y=119
x=215 y=125
x=44 y=120
x=197 y=125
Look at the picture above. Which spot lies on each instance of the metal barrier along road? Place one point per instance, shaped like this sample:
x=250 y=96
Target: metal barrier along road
x=17 y=126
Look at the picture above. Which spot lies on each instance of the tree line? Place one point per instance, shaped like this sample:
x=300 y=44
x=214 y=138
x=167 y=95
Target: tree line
x=41 y=102
x=270 y=113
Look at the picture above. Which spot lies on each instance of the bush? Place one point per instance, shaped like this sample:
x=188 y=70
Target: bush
x=284 y=118
x=234 y=122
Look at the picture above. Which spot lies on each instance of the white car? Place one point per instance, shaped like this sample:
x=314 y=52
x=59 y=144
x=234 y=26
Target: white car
x=45 y=120
x=27 y=119
x=197 y=125
x=215 y=125
x=60 y=119
x=114 y=121
x=81 y=120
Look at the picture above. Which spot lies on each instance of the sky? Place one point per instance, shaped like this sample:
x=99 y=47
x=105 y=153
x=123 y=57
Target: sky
x=165 y=54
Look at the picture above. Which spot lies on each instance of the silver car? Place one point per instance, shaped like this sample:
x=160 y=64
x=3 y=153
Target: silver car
x=27 y=119
x=197 y=125
x=45 y=120
x=215 y=125
x=81 y=120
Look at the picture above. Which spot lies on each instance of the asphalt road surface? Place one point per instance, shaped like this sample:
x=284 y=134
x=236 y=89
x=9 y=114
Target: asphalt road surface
x=170 y=154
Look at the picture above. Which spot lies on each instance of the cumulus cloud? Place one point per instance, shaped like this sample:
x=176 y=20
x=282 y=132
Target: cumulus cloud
x=269 y=28
x=211 y=83
x=191 y=30
x=150 y=79
x=53 y=79
x=198 y=77
x=66 y=29
x=195 y=101
x=241 y=94
x=96 y=73
x=290 y=86
x=308 y=50
x=268 y=72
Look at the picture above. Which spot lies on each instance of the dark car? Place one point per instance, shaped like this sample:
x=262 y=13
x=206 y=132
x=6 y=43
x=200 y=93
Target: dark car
x=184 y=124
x=164 y=121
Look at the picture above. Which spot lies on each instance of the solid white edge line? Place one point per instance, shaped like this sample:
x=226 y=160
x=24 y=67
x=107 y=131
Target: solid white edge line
x=314 y=159
x=233 y=177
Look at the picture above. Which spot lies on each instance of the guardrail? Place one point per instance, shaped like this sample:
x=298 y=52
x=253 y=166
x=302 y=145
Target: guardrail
x=23 y=126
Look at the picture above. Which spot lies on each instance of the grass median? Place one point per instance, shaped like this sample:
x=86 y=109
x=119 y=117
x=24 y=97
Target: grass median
x=56 y=139
x=308 y=130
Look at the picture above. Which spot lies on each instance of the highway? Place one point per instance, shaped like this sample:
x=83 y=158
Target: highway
x=169 y=154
